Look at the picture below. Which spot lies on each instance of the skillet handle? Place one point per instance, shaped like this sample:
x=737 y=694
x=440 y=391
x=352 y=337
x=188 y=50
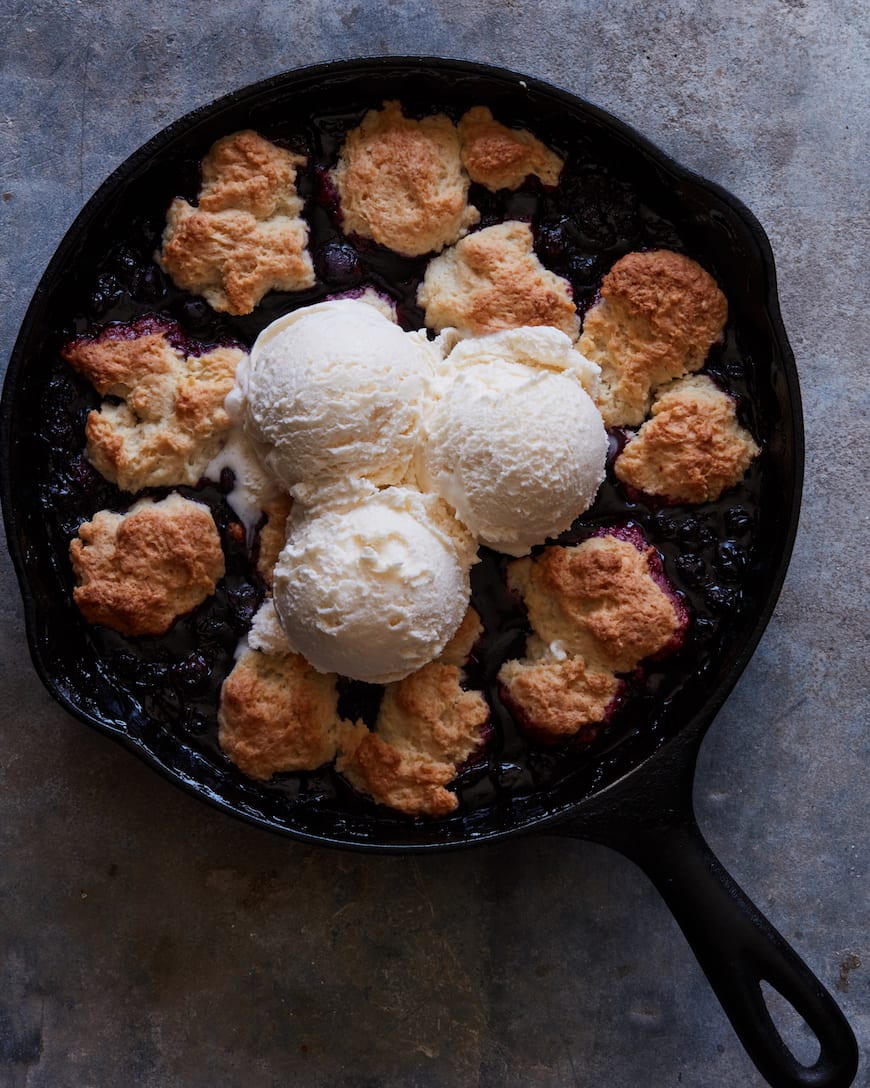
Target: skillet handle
x=737 y=949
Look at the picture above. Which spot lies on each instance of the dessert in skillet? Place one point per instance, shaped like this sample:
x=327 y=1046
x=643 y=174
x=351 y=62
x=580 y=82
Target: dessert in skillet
x=347 y=464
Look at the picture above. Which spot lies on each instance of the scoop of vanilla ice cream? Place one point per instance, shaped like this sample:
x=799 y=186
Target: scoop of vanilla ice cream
x=333 y=392
x=539 y=347
x=517 y=449
x=375 y=589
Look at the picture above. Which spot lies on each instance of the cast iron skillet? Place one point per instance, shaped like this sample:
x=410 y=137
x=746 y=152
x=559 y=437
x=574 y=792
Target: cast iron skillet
x=632 y=790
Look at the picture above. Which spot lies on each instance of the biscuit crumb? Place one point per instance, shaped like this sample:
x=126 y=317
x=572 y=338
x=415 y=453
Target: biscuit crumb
x=137 y=572
x=277 y=713
x=401 y=182
x=246 y=237
x=170 y=421
x=502 y=158
x=266 y=633
x=659 y=315
x=492 y=280
x=693 y=449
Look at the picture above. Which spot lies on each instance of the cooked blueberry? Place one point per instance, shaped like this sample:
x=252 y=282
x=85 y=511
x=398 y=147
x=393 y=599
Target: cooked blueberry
x=107 y=292
x=722 y=598
x=195 y=723
x=338 y=263
x=551 y=243
x=243 y=601
x=196 y=311
x=731 y=560
x=738 y=520
x=81 y=473
x=605 y=209
x=209 y=628
x=192 y=671
x=127 y=261
x=327 y=194
x=692 y=568
x=148 y=284
x=667 y=525
x=692 y=534
x=584 y=268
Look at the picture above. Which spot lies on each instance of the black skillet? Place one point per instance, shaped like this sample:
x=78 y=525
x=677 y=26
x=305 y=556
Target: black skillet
x=631 y=789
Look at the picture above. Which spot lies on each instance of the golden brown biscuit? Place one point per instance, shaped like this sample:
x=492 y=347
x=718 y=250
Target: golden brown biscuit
x=597 y=600
x=658 y=317
x=277 y=714
x=401 y=182
x=266 y=633
x=246 y=236
x=171 y=419
x=273 y=536
x=692 y=449
x=139 y=571
x=557 y=699
x=427 y=725
x=458 y=649
x=493 y=280
x=430 y=714
x=405 y=781
x=502 y=158
x=245 y=172
x=232 y=258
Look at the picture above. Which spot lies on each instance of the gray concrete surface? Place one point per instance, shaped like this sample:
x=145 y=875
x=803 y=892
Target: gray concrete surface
x=148 y=940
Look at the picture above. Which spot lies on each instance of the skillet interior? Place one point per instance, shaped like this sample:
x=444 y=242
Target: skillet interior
x=90 y=671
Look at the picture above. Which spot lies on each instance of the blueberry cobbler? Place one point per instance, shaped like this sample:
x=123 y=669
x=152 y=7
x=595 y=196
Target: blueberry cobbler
x=400 y=456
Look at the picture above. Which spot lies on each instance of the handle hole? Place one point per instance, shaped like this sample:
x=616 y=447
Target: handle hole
x=794 y=1031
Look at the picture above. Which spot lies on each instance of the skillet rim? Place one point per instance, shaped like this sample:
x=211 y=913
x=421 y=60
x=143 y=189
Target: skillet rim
x=686 y=739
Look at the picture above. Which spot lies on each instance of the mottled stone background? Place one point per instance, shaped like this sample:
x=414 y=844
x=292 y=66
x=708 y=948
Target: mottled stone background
x=147 y=940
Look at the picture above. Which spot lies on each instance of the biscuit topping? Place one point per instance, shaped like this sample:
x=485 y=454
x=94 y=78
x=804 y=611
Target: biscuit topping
x=246 y=237
x=276 y=714
x=692 y=449
x=137 y=572
x=601 y=600
x=492 y=280
x=401 y=182
x=658 y=317
x=595 y=609
x=427 y=725
x=502 y=158
x=170 y=420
